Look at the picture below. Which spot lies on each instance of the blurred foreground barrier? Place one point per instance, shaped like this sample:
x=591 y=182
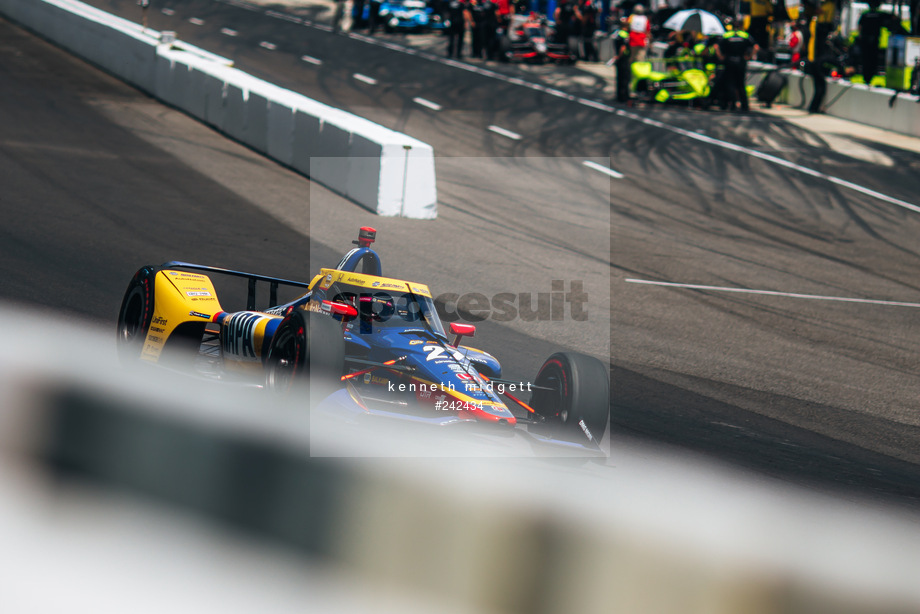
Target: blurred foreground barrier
x=505 y=535
x=388 y=172
x=874 y=106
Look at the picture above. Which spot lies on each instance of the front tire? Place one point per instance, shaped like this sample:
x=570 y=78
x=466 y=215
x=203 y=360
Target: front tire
x=307 y=350
x=578 y=404
x=135 y=315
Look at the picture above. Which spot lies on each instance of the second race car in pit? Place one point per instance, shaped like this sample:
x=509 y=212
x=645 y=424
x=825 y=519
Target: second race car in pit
x=529 y=39
x=375 y=344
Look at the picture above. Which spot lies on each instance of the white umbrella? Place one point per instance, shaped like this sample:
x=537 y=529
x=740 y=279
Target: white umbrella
x=695 y=20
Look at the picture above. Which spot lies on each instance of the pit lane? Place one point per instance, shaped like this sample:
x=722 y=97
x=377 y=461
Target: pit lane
x=808 y=393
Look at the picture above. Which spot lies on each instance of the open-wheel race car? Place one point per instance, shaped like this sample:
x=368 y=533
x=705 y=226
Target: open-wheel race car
x=529 y=39
x=374 y=345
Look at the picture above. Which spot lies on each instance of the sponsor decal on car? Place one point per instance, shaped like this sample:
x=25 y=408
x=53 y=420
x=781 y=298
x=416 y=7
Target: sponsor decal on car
x=584 y=427
x=436 y=352
x=198 y=293
x=196 y=314
x=420 y=289
x=159 y=320
x=241 y=335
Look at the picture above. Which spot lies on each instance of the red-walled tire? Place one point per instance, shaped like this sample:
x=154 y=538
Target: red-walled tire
x=307 y=350
x=579 y=403
x=135 y=315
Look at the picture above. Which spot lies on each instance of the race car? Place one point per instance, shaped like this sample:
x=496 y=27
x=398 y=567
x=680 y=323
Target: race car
x=374 y=345
x=529 y=39
x=690 y=85
x=403 y=16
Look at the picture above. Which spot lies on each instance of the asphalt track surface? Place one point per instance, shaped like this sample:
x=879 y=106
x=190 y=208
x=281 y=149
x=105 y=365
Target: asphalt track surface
x=99 y=179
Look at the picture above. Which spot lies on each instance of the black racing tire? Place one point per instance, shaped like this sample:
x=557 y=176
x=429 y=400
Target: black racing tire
x=578 y=406
x=652 y=91
x=306 y=351
x=505 y=53
x=135 y=315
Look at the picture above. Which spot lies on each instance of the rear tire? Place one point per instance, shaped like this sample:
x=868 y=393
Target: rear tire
x=307 y=351
x=579 y=404
x=135 y=315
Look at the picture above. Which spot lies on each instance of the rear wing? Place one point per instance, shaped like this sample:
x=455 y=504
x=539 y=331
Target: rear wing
x=273 y=282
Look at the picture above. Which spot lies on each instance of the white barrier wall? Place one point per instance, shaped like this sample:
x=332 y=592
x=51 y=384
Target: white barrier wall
x=388 y=172
x=874 y=106
x=653 y=533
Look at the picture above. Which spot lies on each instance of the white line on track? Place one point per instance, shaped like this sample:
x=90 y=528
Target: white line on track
x=561 y=94
x=322 y=26
x=168 y=12
x=309 y=59
x=595 y=105
x=603 y=169
x=196 y=21
x=813 y=297
x=511 y=135
x=365 y=79
x=268 y=45
x=242 y=5
x=284 y=17
x=731 y=426
x=427 y=103
x=228 y=32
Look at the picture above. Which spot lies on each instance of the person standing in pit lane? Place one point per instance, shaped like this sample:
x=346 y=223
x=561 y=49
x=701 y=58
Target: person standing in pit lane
x=830 y=60
x=478 y=13
x=490 y=29
x=640 y=29
x=565 y=15
x=761 y=16
x=622 y=62
x=871 y=24
x=459 y=15
x=373 y=17
x=588 y=28
x=357 y=14
x=505 y=11
x=734 y=51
